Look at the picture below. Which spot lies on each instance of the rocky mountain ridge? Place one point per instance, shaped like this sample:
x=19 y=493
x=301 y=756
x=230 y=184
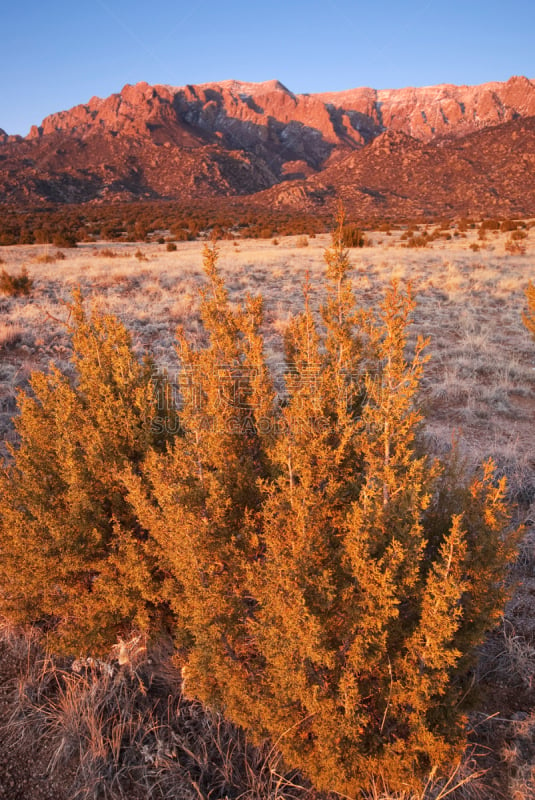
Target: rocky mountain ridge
x=233 y=138
x=191 y=114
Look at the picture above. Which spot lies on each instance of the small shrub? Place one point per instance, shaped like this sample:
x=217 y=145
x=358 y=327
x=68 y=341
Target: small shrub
x=65 y=515
x=275 y=241
x=514 y=247
x=10 y=334
x=475 y=247
x=140 y=255
x=490 y=225
x=518 y=235
x=46 y=258
x=302 y=241
x=64 y=239
x=353 y=236
x=183 y=236
x=15 y=285
x=170 y=247
x=508 y=225
x=417 y=241
x=107 y=252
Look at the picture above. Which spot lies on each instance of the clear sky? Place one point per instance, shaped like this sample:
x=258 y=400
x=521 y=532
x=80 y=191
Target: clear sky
x=58 y=53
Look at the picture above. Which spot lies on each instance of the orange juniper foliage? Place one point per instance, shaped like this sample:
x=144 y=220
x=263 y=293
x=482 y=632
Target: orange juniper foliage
x=72 y=551
x=529 y=317
x=201 y=501
x=330 y=580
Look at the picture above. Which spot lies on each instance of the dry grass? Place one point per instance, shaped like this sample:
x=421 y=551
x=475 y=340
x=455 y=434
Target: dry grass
x=11 y=334
x=122 y=729
x=480 y=381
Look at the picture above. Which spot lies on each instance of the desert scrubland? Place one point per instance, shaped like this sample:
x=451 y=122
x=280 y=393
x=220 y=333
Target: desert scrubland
x=478 y=389
x=481 y=372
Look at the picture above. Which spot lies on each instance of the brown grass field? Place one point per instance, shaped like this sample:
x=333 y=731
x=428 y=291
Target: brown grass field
x=479 y=388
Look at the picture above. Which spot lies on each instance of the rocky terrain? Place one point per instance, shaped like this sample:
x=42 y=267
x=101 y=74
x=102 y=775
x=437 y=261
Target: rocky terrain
x=431 y=150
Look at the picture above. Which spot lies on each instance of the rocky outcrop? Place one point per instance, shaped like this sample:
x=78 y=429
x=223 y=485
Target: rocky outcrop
x=437 y=111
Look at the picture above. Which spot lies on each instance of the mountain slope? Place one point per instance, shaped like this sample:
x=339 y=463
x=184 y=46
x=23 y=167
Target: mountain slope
x=386 y=150
x=489 y=172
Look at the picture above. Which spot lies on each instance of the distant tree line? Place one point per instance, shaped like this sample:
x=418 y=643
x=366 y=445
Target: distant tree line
x=66 y=225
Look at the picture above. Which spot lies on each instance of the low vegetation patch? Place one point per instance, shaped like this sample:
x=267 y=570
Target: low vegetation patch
x=15 y=285
x=121 y=727
x=353 y=236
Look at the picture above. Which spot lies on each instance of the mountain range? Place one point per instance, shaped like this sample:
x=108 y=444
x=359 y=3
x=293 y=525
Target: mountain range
x=439 y=150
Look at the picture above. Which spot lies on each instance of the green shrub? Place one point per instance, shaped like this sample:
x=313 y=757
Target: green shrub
x=170 y=247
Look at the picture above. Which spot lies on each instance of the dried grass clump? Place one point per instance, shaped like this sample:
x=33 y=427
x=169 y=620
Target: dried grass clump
x=11 y=334
x=106 y=252
x=353 y=236
x=464 y=782
x=124 y=730
x=46 y=258
x=121 y=728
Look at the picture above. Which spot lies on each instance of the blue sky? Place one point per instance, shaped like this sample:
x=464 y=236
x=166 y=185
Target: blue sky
x=57 y=54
